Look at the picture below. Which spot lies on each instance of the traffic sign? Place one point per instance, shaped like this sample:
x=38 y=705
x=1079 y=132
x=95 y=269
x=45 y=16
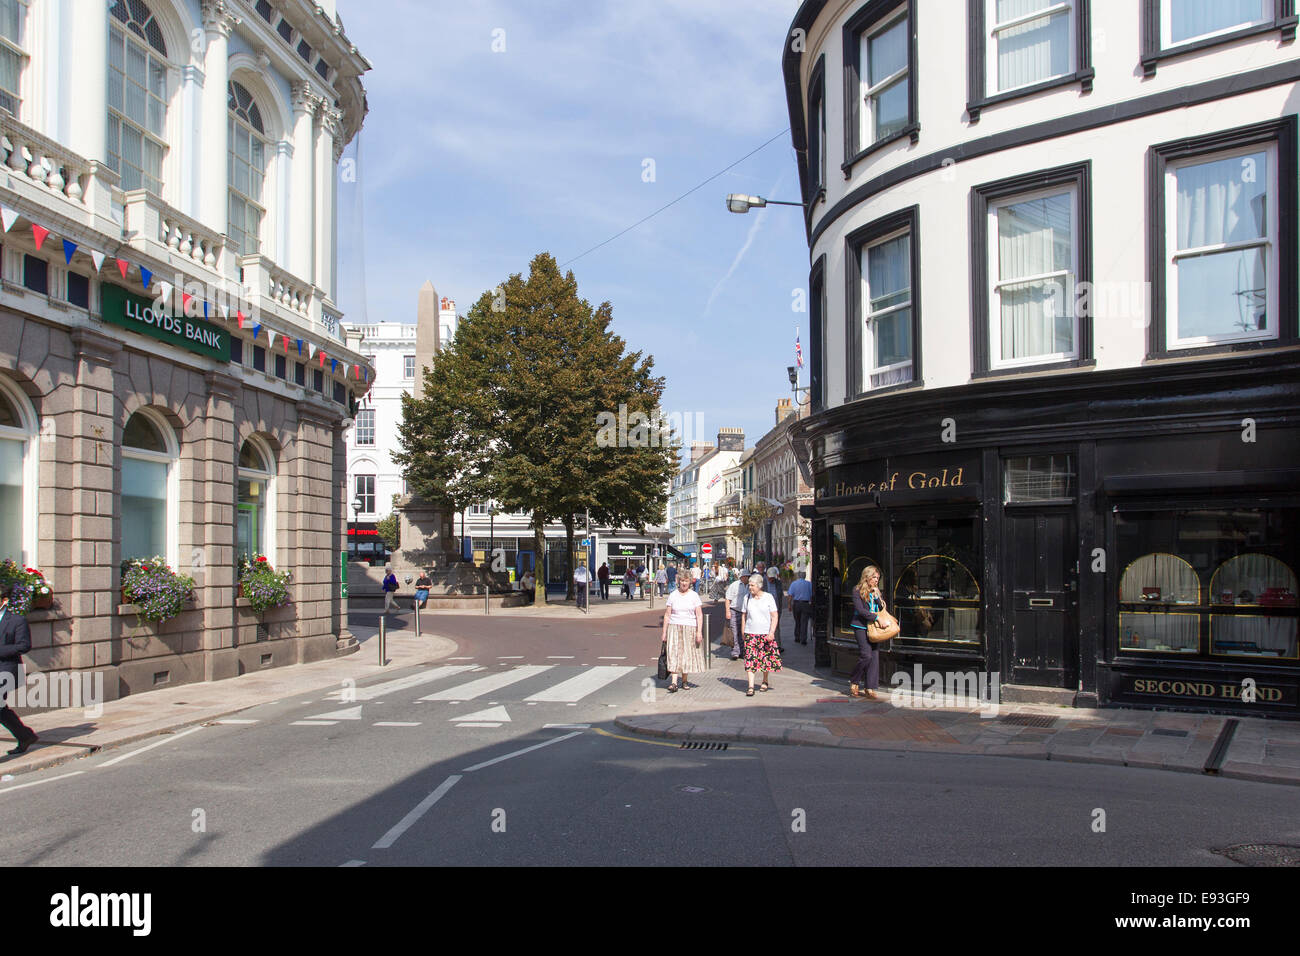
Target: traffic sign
x=706 y=549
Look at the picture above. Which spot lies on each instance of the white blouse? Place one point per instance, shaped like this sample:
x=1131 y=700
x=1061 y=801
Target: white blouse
x=758 y=613
x=681 y=607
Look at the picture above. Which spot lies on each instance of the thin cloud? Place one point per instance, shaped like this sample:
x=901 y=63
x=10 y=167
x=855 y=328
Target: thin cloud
x=754 y=227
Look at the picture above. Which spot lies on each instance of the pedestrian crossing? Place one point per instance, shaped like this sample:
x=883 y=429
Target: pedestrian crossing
x=530 y=684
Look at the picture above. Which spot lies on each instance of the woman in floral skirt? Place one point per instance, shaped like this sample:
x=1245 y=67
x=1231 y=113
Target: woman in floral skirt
x=758 y=623
x=684 y=633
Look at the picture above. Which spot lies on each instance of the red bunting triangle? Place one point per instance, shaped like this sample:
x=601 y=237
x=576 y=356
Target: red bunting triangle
x=123 y=266
x=38 y=235
x=185 y=301
x=239 y=314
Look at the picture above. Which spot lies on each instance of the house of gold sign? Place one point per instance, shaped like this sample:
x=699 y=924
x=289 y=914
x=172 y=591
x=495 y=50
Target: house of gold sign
x=945 y=478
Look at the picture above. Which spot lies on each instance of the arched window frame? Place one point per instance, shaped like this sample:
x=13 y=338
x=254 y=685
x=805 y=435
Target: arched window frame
x=170 y=458
x=155 y=56
x=268 y=532
x=243 y=118
x=26 y=433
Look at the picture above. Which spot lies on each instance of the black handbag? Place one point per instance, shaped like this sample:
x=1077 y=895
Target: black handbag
x=663 y=661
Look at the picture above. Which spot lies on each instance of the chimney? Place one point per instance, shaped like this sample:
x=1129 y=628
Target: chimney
x=731 y=439
x=699 y=449
x=783 y=410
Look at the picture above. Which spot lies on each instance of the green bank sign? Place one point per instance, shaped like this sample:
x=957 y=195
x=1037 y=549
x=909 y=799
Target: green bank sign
x=135 y=312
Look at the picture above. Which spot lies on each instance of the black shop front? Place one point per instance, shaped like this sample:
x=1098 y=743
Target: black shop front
x=1142 y=551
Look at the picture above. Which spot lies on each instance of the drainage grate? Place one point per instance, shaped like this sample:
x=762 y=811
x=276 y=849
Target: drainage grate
x=701 y=745
x=1263 y=854
x=1029 y=720
x=1165 y=732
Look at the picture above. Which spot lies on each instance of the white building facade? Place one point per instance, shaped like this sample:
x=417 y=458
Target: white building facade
x=1038 y=285
x=174 y=379
x=699 y=487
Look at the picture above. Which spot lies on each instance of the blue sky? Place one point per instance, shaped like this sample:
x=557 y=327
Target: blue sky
x=472 y=161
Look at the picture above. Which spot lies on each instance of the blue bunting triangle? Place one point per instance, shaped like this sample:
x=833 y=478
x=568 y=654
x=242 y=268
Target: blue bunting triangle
x=69 y=250
x=145 y=276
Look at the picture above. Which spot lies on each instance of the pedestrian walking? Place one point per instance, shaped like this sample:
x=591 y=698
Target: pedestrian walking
x=734 y=596
x=581 y=578
x=602 y=576
x=528 y=584
x=867 y=603
x=629 y=582
x=758 y=623
x=684 y=635
x=390 y=586
x=672 y=576
x=695 y=578
x=800 y=599
x=15 y=641
x=777 y=590
x=661 y=581
x=422 y=585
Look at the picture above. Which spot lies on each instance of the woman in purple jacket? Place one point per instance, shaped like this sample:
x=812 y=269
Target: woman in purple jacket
x=867 y=603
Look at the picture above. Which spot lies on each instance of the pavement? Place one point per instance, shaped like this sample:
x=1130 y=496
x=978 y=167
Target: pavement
x=806 y=707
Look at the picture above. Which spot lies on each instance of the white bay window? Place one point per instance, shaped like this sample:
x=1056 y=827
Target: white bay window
x=887 y=310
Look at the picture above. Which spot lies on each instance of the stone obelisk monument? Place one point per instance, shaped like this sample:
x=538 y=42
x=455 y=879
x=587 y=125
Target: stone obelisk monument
x=426 y=532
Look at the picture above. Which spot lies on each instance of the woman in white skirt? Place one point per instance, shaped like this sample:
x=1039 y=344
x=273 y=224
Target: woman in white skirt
x=683 y=633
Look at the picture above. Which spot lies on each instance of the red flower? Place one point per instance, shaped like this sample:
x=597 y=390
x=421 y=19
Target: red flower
x=261 y=559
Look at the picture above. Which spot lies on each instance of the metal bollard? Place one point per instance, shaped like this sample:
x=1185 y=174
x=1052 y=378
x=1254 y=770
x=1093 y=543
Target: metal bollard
x=708 y=650
x=383 y=642
x=417 y=618
x=485 y=600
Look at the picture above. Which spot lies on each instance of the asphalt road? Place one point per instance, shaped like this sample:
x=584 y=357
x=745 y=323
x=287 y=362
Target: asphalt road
x=484 y=759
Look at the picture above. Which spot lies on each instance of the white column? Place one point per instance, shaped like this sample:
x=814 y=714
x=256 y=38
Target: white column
x=301 y=187
x=82 y=96
x=213 y=166
x=327 y=156
x=283 y=199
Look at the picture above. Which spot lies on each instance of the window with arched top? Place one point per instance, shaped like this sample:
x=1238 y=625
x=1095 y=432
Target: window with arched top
x=246 y=168
x=1254 y=596
x=149 y=481
x=1152 y=590
x=255 y=510
x=937 y=598
x=137 y=95
x=18 y=476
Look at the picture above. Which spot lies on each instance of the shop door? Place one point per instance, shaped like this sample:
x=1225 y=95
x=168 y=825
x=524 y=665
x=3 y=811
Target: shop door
x=1041 y=602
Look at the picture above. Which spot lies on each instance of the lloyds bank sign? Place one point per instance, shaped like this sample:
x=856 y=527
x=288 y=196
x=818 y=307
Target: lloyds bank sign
x=137 y=313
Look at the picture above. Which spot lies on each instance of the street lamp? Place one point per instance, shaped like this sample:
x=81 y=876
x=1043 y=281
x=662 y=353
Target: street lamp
x=740 y=203
x=795 y=387
x=357 y=505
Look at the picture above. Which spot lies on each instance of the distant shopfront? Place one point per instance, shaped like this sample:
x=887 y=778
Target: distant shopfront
x=1157 y=570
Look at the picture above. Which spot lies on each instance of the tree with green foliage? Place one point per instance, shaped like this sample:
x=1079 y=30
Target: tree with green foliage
x=510 y=410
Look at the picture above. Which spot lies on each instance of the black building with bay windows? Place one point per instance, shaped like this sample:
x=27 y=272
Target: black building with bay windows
x=1128 y=537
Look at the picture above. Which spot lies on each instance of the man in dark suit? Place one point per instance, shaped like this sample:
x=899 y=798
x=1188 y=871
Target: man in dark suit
x=15 y=641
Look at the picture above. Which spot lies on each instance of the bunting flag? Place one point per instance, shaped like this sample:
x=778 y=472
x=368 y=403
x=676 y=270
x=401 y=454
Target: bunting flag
x=205 y=311
x=311 y=350
x=357 y=368
x=145 y=276
x=300 y=348
x=186 y=299
x=334 y=364
x=286 y=344
x=321 y=353
x=8 y=217
x=123 y=266
x=165 y=289
x=239 y=314
x=98 y=259
x=69 y=250
x=256 y=329
x=38 y=235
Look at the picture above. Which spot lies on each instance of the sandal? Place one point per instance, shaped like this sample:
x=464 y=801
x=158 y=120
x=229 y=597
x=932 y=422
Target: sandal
x=750 y=692
x=765 y=686
x=672 y=688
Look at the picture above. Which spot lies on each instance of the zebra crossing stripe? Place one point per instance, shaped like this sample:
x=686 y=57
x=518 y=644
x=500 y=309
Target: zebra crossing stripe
x=576 y=688
x=402 y=683
x=485 y=685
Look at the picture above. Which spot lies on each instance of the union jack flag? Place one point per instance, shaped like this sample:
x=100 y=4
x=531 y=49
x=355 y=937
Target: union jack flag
x=798 y=350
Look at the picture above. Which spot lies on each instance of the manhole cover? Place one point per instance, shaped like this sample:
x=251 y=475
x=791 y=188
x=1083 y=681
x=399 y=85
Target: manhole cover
x=1263 y=854
x=1028 y=720
x=693 y=789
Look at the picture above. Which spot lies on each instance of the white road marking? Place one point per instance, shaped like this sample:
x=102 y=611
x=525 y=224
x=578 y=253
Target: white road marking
x=492 y=713
x=566 y=726
x=518 y=657
x=559 y=657
x=157 y=743
x=352 y=863
x=576 y=688
x=348 y=713
x=612 y=658
x=401 y=683
x=36 y=783
x=421 y=808
x=312 y=723
x=397 y=723
x=486 y=685
x=520 y=753
x=460 y=658
x=477 y=723
x=233 y=720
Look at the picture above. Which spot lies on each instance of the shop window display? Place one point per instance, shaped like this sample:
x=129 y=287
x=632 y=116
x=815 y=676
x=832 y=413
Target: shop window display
x=1214 y=582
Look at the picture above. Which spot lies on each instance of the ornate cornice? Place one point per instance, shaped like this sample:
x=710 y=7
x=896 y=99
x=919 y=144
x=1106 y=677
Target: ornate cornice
x=304 y=97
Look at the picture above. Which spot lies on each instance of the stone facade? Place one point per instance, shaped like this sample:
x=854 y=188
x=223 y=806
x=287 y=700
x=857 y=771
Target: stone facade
x=83 y=386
